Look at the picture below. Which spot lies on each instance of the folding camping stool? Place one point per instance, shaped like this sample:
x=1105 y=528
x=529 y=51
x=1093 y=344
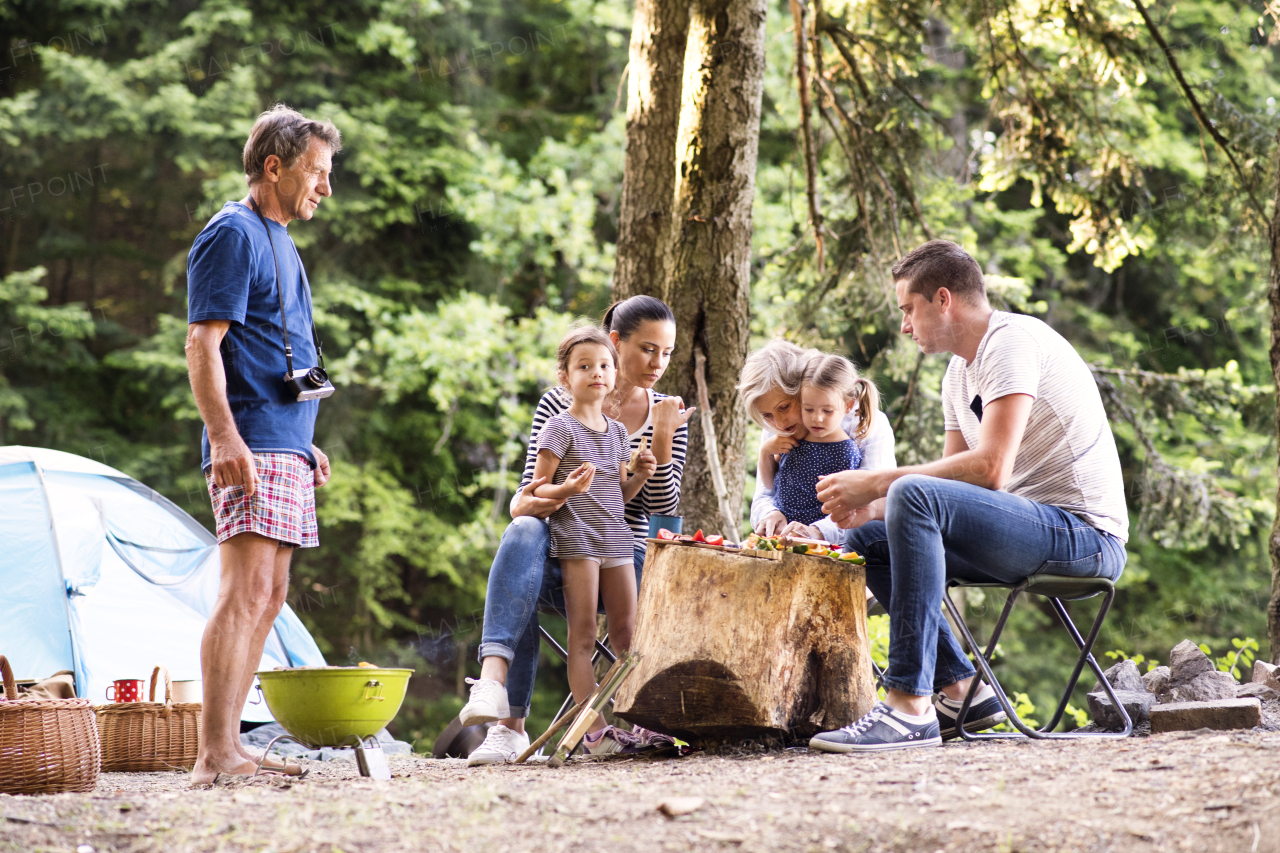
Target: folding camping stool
x=1056 y=588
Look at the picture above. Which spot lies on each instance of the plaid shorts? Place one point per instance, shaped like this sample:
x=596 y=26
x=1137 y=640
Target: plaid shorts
x=283 y=508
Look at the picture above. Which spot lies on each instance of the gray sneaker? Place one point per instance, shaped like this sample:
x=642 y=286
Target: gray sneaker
x=984 y=712
x=880 y=730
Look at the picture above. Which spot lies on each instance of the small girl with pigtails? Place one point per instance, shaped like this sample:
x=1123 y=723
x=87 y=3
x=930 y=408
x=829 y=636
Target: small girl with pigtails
x=830 y=391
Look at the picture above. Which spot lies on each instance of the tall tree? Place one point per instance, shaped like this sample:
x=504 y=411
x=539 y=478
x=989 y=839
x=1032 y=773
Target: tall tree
x=707 y=279
x=658 y=38
x=1273 y=544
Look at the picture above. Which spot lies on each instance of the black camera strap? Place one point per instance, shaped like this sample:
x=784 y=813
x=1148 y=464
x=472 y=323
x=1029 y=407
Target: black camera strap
x=284 y=323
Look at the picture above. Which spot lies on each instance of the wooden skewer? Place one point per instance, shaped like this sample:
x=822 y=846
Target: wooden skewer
x=559 y=724
x=564 y=720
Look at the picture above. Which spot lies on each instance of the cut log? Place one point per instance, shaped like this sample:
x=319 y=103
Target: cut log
x=734 y=646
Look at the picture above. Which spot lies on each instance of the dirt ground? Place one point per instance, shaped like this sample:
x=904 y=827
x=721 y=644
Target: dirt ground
x=1205 y=791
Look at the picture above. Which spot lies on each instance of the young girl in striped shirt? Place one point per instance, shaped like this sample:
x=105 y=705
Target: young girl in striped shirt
x=583 y=455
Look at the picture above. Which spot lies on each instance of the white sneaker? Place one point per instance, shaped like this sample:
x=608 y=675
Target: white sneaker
x=500 y=746
x=488 y=703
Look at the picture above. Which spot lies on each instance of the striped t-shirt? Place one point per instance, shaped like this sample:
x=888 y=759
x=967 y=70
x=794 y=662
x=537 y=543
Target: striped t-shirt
x=589 y=525
x=659 y=496
x=1068 y=455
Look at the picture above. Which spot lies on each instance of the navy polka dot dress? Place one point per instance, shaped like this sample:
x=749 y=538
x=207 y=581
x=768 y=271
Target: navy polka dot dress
x=795 y=486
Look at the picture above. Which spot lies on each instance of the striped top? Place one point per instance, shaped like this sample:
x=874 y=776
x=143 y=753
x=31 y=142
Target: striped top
x=659 y=496
x=588 y=525
x=1068 y=455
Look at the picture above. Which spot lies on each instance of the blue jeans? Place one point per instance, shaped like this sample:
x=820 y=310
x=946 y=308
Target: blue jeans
x=522 y=581
x=939 y=529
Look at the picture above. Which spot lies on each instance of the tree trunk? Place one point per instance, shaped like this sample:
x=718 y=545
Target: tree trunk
x=733 y=646
x=658 y=36
x=1273 y=546
x=707 y=274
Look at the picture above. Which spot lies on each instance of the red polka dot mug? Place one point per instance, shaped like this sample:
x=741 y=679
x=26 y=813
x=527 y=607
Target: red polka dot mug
x=125 y=689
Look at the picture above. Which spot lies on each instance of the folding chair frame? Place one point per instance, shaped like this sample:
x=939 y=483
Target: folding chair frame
x=1085 y=645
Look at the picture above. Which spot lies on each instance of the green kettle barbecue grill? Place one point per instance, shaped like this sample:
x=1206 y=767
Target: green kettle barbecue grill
x=336 y=706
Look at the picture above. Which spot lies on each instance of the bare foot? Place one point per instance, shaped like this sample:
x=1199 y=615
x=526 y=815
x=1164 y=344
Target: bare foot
x=206 y=769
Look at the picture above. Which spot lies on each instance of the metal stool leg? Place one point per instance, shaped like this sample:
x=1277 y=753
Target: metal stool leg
x=1084 y=645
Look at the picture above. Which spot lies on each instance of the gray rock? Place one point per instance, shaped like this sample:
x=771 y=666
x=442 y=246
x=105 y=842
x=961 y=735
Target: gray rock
x=1157 y=680
x=1124 y=676
x=1186 y=661
x=1205 y=687
x=1265 y=673
x=1137 y=703
x=1257 y=691
x=1223 y=714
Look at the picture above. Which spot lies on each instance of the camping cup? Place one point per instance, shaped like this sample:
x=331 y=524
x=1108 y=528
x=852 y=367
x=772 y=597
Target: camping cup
x=125 y=689
x=674 y=523
x=185 y=692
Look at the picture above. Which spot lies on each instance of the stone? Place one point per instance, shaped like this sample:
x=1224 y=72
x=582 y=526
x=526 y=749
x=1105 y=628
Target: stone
x=1157 y=680
x=1186 y=661
x=1265 y=673
x=1137 y=704
x=677 y=806
x=1205 y=687
x=1124 y=676
x=1223 y=714
x=1257 y=691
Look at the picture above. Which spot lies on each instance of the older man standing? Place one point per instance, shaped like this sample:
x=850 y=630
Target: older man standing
x=1029 y=482
x=251 y=350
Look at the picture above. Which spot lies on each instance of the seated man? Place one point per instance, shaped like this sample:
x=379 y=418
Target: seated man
x=1029 y=482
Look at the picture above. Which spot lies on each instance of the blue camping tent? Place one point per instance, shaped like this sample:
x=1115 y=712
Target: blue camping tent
x=105 y=577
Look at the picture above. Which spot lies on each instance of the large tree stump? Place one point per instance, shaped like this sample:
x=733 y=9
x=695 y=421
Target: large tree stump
x=734 y=646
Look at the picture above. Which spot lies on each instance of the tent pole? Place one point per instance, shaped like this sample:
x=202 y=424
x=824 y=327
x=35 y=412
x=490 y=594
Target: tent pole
x=66 y=596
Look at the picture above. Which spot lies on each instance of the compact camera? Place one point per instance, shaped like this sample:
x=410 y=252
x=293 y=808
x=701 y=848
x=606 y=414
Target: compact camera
x=310 y=384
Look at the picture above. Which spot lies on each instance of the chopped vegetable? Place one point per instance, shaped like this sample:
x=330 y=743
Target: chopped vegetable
x=666 y=535
x=715 y=539
x=800 y=549
x=698 y=537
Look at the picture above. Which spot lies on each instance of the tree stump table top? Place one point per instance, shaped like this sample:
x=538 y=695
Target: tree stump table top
x=740 y=644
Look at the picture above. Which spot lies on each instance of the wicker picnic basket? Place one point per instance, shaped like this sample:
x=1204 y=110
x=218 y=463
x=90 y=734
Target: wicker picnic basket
x=47 y=746
x=140 y=737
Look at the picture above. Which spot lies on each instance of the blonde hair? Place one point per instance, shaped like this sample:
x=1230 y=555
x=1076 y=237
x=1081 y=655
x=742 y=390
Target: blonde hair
x=777 y=365
x=837 y=374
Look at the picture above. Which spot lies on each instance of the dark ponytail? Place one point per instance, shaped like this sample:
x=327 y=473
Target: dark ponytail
x=626 y=316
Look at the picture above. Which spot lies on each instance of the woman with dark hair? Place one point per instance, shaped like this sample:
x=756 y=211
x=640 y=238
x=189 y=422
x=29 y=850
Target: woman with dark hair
x=523 y=578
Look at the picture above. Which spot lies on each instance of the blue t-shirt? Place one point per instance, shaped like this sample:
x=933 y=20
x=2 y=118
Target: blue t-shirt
x=231 y=276
x=795 y=486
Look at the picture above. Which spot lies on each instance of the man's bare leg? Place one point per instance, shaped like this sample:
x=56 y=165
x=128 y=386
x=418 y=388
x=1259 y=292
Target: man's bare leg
x=279 y=593
x=244 y=597
x=495 y=668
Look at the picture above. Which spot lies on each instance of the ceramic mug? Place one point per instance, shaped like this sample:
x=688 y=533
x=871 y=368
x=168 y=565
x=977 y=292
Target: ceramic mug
x=125 y=689
x=674 y=523
x=187 y=692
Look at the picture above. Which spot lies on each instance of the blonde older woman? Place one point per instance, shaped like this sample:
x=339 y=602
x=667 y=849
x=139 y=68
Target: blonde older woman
x=770 y=389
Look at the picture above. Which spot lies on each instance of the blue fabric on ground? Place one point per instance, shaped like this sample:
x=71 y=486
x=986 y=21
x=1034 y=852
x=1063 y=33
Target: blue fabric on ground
x=262 y=735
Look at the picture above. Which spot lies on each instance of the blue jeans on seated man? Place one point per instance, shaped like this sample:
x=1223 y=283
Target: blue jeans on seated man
x=938 y=529
x=522 y=581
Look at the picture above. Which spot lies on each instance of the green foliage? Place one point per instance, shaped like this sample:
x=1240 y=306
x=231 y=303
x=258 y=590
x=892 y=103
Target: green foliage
x=1240 y=662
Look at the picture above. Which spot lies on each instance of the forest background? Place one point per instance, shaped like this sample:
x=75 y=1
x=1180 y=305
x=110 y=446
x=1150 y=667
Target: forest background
x=474 y=218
